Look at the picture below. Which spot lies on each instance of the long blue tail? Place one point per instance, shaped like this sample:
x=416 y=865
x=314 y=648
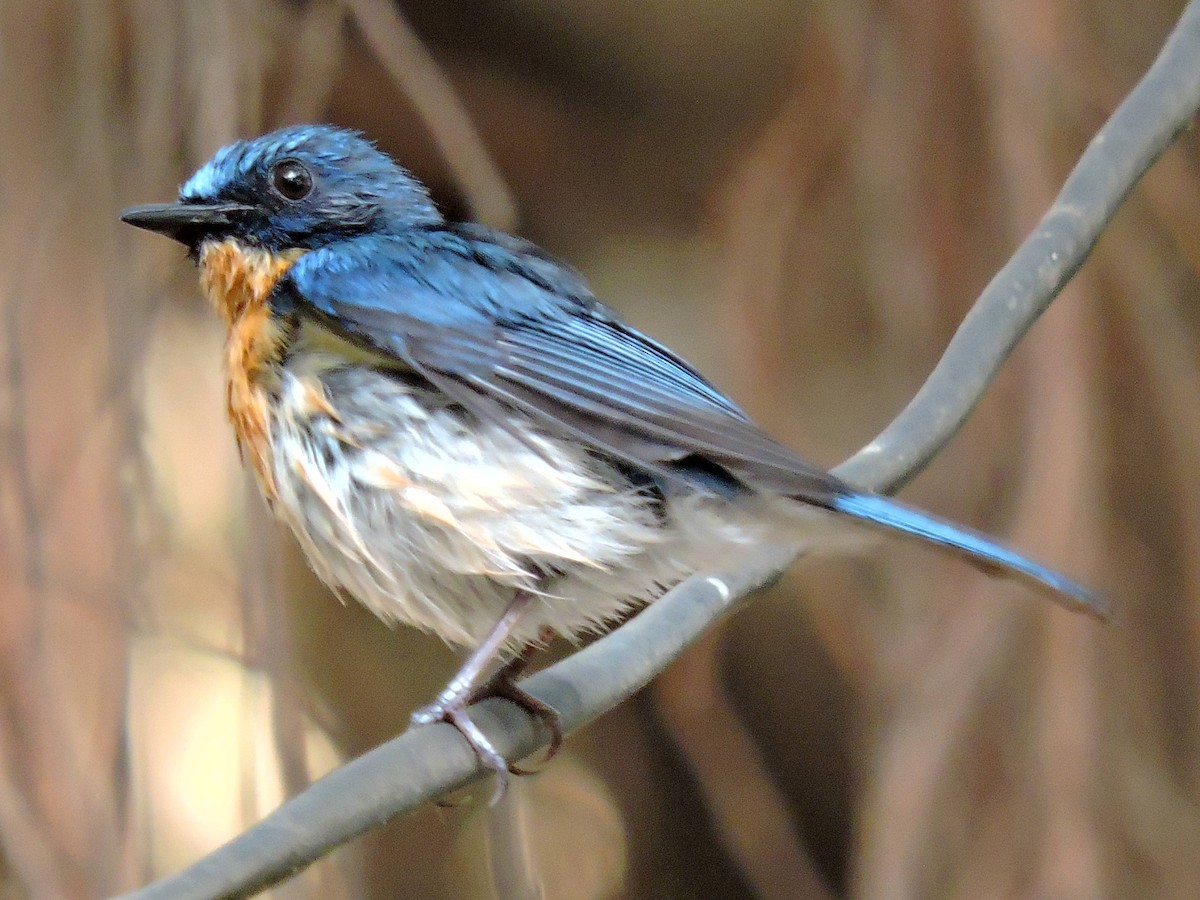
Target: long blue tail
x=984 y=553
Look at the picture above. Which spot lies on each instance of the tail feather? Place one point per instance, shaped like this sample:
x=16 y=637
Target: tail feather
x=980 y=551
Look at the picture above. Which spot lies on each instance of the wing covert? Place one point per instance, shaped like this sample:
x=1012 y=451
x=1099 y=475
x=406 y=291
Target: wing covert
x=489 y=322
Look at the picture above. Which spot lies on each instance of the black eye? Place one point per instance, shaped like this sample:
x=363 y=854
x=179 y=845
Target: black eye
x=291 y=180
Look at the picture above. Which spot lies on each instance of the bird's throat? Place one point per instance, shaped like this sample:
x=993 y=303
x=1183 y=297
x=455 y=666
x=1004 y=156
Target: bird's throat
x=238 y=280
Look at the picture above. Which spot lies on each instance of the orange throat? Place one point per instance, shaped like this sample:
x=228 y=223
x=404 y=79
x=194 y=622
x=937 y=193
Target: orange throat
x=237 y=281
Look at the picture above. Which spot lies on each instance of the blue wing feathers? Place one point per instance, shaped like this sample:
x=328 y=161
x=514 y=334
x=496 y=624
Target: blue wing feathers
x=496 y=323
x=426 y=285
x=399 y=296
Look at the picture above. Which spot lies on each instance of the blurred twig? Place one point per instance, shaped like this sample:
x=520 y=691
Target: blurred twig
x=514 y=872
x=933 y=726
x=1059 y=490
x=320 y=48
x=1145 y=124
x=414 y=69
x=425 y=763
x=748 y=809
x=32 y=857
x=767 y=203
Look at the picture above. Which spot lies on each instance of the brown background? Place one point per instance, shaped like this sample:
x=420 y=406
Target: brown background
x=802 y=198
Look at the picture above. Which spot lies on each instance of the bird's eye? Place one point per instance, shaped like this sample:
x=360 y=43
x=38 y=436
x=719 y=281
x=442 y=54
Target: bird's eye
x=291 y=180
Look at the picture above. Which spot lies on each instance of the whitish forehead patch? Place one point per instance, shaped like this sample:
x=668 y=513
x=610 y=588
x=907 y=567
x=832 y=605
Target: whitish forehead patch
x=229 y=163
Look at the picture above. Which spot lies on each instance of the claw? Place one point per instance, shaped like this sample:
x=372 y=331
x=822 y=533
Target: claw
x=504 y=686
x=488 y=755
x=451 y=706
x=452 y=709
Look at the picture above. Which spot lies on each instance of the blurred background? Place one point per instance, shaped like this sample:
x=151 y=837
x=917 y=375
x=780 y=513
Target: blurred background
x=804 y=199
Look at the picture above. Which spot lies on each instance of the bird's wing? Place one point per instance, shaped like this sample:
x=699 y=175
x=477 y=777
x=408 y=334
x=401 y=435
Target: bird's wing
x=495 y=324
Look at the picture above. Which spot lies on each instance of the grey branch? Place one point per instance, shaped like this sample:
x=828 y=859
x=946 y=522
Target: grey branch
x=425 y=763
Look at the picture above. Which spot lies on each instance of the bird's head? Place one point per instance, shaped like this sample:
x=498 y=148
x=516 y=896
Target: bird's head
x=299 y=187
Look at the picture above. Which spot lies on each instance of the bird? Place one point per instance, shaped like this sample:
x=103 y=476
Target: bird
x=461 y=436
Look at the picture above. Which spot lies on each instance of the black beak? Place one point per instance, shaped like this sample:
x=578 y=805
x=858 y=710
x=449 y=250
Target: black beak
x=186 y=222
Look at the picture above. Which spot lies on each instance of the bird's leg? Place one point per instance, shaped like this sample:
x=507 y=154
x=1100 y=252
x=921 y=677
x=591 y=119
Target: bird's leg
x=451 y=704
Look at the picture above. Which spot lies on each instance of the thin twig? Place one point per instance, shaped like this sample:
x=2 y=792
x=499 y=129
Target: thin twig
x=1145 y=124
x=425 y=763
x=513 y=868
x=429 y=762
x=416 y=72
x=749 y=812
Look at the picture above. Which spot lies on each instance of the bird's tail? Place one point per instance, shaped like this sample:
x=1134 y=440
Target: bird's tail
x=984 y=553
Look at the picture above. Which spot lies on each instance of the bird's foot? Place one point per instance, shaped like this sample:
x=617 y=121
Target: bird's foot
x=504 y=684
x=451 y=707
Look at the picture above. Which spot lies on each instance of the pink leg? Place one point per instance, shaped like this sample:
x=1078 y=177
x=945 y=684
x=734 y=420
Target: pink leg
x=451 y=704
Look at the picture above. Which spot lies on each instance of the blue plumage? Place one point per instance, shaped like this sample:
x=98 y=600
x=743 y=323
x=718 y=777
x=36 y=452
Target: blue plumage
x=362 y=190
x=885 y=513
x=460 y=433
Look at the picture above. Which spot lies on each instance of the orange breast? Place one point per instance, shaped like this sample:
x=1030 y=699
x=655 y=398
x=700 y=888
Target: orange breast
x=237 y=280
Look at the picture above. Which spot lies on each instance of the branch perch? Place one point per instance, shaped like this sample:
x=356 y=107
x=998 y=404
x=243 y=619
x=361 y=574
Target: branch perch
x=425 y=763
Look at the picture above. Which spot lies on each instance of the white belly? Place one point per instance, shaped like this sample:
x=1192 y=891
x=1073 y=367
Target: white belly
x=431 y=517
